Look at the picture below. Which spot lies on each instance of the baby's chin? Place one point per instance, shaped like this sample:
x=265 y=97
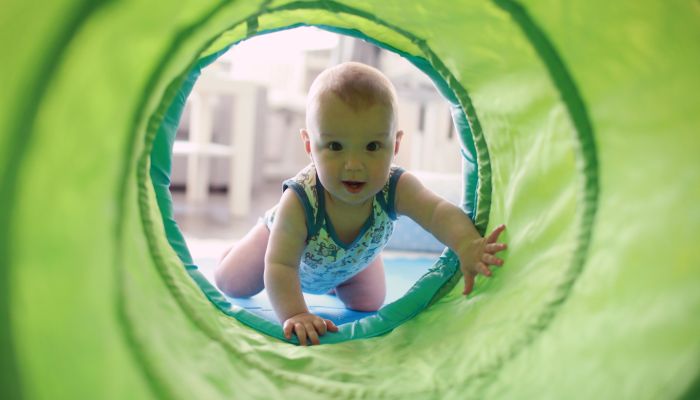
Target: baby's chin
x=342 y=195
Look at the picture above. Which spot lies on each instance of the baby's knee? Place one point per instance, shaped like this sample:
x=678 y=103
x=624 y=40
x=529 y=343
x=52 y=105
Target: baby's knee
x=233 y=286
x=365 y=304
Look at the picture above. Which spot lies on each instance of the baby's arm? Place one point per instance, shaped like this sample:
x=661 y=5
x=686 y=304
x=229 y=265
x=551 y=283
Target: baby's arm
x=450 y=225
x=282 y=276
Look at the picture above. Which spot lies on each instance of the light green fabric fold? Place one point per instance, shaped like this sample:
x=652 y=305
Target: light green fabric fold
x=584 y=123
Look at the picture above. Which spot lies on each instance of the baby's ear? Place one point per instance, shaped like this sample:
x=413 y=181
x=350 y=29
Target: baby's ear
x=307 y=142
x=397 y=144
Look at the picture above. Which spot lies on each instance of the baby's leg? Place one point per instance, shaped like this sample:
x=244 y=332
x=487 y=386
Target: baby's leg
x=240 y=271
x=366 y=290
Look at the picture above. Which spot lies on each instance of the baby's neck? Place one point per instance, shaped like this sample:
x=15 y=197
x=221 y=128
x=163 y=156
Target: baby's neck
x=362 y=208
x=347 y=219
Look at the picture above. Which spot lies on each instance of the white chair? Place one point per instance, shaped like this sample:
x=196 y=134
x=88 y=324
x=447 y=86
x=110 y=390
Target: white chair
x=200 y=149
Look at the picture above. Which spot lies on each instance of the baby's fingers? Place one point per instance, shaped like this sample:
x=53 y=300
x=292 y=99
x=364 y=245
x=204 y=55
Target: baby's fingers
x=468 y=283
x=483 y=269
x=301 y=333
x=331 y=326
x=493 y=237
x=320 y=326
x=494 y=248
x=324 y=326
x=490 y=259
x=287 y=329
x=311 y=333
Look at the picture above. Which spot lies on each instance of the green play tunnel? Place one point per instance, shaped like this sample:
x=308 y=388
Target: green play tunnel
x=583 y=122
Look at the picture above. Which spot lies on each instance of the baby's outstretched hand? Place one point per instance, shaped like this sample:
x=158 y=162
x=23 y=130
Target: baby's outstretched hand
x=307 y=325
x=475 y=257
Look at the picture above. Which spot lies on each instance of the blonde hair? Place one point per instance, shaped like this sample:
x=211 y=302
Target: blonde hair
x=355 y=84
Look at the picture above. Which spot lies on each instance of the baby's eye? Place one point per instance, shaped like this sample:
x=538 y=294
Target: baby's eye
x=373 y=146
x=335 y=146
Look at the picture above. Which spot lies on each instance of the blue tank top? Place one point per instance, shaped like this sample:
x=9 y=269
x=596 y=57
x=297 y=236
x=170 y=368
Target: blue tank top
x=326 y=261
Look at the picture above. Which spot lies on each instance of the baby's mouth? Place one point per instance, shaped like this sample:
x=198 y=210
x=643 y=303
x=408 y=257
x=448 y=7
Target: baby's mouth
x=353 y=186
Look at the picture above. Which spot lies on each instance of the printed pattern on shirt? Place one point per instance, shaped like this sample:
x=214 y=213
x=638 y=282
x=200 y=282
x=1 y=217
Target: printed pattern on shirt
x=325 y=263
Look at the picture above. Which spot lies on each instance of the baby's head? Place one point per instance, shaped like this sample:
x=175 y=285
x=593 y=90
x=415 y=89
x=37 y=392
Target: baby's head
x=351 y=135
x=357 y=85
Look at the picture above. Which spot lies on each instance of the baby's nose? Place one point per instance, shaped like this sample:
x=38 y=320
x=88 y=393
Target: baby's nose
x=353 y=163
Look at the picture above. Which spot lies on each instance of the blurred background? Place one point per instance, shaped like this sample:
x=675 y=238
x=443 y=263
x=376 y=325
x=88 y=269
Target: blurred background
x=239 y=135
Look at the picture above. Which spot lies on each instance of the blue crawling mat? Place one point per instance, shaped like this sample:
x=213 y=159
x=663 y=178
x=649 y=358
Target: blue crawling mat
x=402 y=272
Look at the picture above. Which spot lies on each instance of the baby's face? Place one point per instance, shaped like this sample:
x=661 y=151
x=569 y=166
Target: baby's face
x=352 y=149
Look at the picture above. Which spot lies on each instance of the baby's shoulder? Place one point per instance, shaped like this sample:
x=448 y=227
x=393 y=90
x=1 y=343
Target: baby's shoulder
x=402 y=178
x=408 y=186
x=290 y=211
x=306 y=177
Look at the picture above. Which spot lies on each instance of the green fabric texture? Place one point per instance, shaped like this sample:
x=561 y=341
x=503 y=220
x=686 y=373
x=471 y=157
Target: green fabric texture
x=583 y=114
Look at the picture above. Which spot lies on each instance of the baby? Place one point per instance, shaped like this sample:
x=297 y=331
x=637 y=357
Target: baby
x=327 y=232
